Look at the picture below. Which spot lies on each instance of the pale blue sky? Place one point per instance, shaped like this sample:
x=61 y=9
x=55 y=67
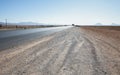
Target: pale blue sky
x=61 y=11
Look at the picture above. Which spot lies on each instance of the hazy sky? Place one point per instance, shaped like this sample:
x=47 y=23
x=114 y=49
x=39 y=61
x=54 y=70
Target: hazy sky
x=61 y=11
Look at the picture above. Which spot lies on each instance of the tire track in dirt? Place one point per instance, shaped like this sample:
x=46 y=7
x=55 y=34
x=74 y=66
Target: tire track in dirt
x=107 y=45
x=112 y=55
x=97 y=67
x=38 y=59
x=61 y=59
x=50 y=53
x=68 y=64
x=69 y=52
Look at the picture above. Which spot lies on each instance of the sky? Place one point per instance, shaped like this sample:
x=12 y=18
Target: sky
x=82 y=12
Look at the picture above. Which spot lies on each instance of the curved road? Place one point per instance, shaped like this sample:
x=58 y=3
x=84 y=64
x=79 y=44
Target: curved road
x=72 y=51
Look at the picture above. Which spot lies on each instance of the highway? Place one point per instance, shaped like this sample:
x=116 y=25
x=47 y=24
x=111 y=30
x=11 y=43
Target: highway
x=12 y=38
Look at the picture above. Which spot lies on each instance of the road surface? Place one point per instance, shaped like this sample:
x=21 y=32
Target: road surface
x=72 y=51
x=12 y=38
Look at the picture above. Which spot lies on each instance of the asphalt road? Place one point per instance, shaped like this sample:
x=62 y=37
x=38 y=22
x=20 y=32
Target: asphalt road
x=13 y=38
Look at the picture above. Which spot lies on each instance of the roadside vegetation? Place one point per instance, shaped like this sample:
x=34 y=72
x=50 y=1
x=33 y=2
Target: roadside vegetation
x=26 y=26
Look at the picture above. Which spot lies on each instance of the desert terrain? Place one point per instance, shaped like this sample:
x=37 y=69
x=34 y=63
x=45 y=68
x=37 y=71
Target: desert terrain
x=72 y=51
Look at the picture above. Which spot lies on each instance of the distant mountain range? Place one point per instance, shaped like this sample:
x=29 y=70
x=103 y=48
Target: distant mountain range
x=113 y=24
x=23 y=23
x=35 y=23
x=30 y=23
x=98 y=24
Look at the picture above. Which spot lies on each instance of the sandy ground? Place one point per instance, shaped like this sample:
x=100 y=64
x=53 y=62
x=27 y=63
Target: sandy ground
x=75 y=51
